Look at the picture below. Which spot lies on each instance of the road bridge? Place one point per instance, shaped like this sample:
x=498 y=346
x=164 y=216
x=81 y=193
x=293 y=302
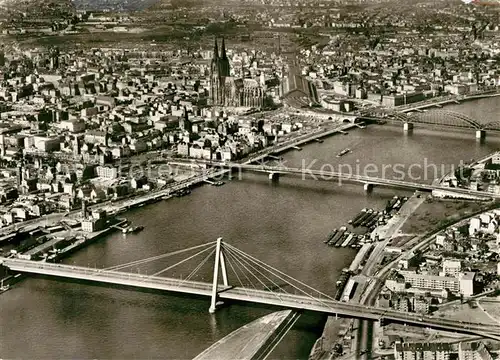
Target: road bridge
x=229 y=257
x=368 y=181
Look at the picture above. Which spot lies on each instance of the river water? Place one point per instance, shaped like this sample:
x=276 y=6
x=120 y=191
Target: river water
x=282 y=224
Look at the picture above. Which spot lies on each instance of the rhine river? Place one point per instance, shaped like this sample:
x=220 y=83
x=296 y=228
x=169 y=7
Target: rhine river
x=282 y=224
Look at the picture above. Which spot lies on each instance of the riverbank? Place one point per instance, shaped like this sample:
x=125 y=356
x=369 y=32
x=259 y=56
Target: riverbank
x=51 y=250
x=369 y=256
x=371 y=277
x=326 y=130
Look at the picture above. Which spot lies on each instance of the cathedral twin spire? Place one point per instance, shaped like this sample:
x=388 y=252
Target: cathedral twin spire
x=220 y=63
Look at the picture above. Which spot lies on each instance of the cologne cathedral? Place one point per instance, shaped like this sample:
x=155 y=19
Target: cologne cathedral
x=225 y=90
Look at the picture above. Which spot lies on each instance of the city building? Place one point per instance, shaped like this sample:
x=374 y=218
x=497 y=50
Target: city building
x=431 y=282
x=473 y=351
x=422 y=351
x=467 y=283
x=107 y=172
x=451 y=267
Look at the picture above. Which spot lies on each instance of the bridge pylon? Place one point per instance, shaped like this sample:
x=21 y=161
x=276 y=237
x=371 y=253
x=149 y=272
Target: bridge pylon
x=219 y=261
x=480 y=135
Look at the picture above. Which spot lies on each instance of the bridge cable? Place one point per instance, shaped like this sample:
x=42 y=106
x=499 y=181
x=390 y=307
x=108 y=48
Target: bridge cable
x=268 y=279
x=306 y=294
x=153 y=258
x=288 y=282
x=242 y=271
x=157 y=257
x=314 y=300
x=295 y=287
x=249 y=271
x=200 y=265
x=180 y=262
x=237 y=276
x=267 y=287
x=241 y=260
x=278 y=271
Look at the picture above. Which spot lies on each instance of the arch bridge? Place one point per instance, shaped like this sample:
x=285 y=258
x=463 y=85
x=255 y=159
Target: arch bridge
x=444 y=118
x=441 y=118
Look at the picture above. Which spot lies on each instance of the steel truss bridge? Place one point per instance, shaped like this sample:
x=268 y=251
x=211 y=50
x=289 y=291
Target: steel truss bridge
x=244 y=278
x=435 y=117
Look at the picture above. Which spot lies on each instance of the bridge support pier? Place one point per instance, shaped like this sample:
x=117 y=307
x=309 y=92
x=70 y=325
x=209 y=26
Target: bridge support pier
x=407 y=127
x=368 y=187
x=480 y=135
x=219 y=261
x=274 y=177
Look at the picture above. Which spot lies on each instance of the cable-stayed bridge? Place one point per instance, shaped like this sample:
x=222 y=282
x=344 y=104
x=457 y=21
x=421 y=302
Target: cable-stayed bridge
x=244 y=278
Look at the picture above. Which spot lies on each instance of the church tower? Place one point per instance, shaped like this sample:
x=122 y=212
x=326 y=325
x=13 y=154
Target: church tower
x=214 y=70
x=219 y=71
x=224 y=68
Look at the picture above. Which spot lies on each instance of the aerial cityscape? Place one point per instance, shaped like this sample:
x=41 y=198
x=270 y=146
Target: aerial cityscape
x=250 y=179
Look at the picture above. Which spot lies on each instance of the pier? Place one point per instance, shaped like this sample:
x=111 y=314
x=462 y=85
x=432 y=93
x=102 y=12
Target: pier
x=209 y=182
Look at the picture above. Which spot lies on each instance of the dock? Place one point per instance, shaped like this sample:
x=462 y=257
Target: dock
x=119 y=227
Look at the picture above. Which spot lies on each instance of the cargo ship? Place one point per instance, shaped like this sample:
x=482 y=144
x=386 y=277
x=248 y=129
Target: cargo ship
x=347 y=240
x=342 y=239
x=362 y=218
x=353 y=241
x=371 y=220
x=330 y=236
x=343 y=152
x=357 y=217
x=339 y=236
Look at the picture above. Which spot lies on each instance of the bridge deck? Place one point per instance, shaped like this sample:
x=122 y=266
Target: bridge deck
x=349 y=177
x=286 y=300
